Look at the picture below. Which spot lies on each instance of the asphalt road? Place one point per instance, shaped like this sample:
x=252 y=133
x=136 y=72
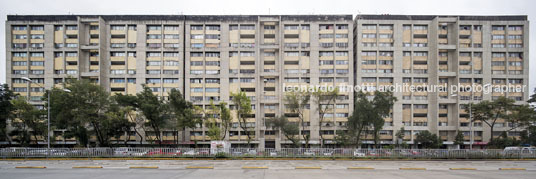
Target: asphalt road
x=277 y=169
x=257 y=173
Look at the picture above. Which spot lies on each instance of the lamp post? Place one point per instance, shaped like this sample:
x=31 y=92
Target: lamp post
x=471 y=127
x=471 y=139
x=48 y=108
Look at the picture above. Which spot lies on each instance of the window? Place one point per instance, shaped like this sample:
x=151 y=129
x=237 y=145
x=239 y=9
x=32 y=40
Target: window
x=18 y=27
x=247 y=27
x=420 y=27
x=368 y=27
x=170 y=80
x=154 y=27
x=171 y=27
x=117 y=27
x=19 y=54
x=497 y=27
x=386 y=27
x=38 y=36
x=37 y=63
x=71 y=27
x=342 y=26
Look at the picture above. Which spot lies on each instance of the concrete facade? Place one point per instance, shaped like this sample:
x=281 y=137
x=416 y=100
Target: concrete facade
x=210 y=57
x=443 y=50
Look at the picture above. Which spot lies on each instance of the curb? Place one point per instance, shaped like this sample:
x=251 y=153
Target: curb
x=512 y=169
x=462 y=168
x=30 y=167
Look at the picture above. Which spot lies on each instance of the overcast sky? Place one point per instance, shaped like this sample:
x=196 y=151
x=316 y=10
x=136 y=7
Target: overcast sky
x=254 y=7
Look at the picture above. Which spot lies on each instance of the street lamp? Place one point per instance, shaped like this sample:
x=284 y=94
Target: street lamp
x=48 y=108
x=471 y=139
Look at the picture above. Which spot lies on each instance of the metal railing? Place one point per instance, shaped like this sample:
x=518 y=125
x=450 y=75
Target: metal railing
x=138 y=152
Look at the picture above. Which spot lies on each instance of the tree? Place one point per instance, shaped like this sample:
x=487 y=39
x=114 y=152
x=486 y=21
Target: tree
x=297 y=103
x=211 y=116
x=29 y=122
x=91 y=102
x=82 y=112
x=243 y=112
x=530 y=136
x=343 y=138
x=369 y=113
x=459 y=139
x=119 y=121
x=324 y=99
x=400 y=134
x=184 y=112
x=154 y=110
x=503 y=141
x=491 y=111
x=521 y=116
x=288 y=129
x=225 y=117
x=428 y=140
x=128 y=104
x=6 y=110
x=358 y=121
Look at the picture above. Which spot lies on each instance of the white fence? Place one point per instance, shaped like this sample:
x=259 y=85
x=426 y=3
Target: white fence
x=124 y=152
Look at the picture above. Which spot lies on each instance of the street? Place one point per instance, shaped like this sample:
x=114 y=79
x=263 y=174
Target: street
x=264 y=169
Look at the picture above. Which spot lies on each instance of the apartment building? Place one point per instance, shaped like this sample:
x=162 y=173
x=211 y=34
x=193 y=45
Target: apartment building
x=209 y=57
x=467 y=51
x=206 y=57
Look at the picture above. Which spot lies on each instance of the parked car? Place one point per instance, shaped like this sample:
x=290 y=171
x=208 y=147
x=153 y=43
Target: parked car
x=191 y=153
x=123 y=151
x=160 y=152
x=273 y=154
x=308 y=153
x=359 y=153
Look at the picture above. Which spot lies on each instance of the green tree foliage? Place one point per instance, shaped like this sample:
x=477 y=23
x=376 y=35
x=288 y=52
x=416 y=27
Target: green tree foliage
x=184 y=113
x=491 y=111
x=154 y=110
x=529 y=136
x=342 y=138
x=522 y=116
x=458 y=140
x=369 y=113
x=211 y=121
x=85 y=111
x=290 y=130
x=225 y=117
x=503 y=141
x=324 y=99
x=128 y=105
x=29 y=122
x=296 y=102
x=243 y=112
x=400 y=134
x=6 y=110
x=428 y=140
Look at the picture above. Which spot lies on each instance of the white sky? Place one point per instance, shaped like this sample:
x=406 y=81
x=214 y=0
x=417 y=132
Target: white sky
x=254 y=7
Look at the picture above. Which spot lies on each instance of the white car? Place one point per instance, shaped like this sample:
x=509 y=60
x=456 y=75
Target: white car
x=191 y=152
x=359 y=154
